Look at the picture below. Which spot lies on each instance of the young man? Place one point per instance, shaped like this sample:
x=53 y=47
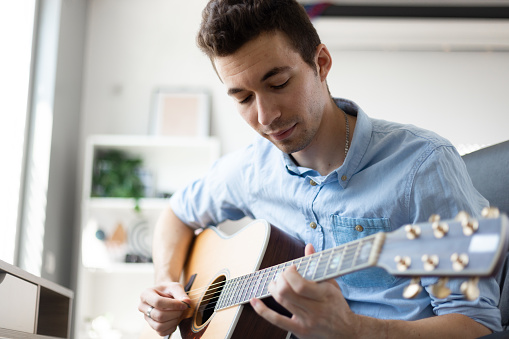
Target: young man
x=324 y=172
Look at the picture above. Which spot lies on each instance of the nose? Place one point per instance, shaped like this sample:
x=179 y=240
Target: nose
x=267 y=111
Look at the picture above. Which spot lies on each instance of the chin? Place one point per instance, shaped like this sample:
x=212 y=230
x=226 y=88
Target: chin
x=289 y=147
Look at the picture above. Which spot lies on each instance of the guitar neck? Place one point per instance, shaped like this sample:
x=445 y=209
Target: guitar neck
x=320 y=266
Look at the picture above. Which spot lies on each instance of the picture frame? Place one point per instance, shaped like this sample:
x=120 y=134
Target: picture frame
x=180 y=112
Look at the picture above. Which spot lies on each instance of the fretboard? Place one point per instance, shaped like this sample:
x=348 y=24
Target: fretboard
x=320 y=266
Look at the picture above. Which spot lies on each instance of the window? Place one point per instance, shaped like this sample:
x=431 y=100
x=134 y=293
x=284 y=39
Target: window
x=16 y=28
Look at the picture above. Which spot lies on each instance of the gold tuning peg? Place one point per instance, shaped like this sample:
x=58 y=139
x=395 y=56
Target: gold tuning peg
x=440 y=229
x=490 y=212
x=462 y=215
x=403 y=263
x=434 y=218
x=470 y=289
x=470 y=226
x=413 y=289
x=412 y=231
x=430 y=261
x=439 y=289
x=459 y=261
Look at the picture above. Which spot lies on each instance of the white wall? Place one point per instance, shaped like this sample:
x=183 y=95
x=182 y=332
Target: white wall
x=134 y=47
x=450 y=77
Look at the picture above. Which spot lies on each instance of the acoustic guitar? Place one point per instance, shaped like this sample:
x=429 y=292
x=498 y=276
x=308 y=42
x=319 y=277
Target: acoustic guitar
x=224 y=272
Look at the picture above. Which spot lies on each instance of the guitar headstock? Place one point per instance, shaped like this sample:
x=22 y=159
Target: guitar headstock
x=460 y=247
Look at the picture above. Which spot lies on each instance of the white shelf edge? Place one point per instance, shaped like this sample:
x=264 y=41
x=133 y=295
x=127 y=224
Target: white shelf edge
x=122 y=268
x=127 y=203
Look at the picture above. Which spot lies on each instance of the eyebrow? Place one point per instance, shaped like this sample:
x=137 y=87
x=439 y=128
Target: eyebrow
x=274 y=71
x=271 y=73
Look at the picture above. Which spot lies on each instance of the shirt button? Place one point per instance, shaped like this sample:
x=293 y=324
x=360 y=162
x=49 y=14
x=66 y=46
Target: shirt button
x=344 y=177
x=312 y=182
x=312 y=225
x=359 y=228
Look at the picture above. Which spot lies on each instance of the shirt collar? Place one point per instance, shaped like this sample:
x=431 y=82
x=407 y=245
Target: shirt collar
x=358 y=147
x=360 y=141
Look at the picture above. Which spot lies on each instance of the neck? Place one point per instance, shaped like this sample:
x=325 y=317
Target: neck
x=328 y=264
x=326 y=151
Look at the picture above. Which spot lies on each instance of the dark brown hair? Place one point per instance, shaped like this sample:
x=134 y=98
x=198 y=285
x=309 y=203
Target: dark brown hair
x=228 y=24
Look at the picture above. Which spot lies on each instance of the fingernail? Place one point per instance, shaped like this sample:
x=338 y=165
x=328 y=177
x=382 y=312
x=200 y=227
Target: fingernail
x=188 y=306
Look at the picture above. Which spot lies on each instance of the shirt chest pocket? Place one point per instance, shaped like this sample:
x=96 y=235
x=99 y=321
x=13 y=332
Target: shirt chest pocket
x=349 y=229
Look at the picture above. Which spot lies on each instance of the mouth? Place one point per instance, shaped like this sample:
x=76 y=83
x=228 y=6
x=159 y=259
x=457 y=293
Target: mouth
x=281 y=135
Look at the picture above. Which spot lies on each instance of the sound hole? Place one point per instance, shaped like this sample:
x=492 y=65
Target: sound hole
x=209 y=300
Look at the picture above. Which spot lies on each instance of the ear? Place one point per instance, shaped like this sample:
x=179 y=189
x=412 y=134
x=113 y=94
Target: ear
x=323 y=61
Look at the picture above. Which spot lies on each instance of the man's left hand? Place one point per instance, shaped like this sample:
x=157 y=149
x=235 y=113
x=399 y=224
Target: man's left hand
x=319 y=309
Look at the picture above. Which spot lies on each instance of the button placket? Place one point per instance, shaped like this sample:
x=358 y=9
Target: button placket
x=313 y=227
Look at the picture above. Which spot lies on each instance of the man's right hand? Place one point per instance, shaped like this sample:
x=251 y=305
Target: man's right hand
x=163 y=306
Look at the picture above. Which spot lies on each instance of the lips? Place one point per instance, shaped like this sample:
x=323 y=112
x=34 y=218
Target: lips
x=281 y=135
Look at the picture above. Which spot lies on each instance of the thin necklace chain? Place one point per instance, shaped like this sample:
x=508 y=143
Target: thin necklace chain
x=347 y=143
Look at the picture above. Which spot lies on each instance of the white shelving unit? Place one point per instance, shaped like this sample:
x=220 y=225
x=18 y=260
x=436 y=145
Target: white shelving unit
x=109 y=288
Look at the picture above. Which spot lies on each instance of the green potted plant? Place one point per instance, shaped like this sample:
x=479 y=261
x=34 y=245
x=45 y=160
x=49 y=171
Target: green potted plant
x=116 y=174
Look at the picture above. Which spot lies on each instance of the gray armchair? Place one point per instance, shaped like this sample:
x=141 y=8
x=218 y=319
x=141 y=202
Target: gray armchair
x=489 y=170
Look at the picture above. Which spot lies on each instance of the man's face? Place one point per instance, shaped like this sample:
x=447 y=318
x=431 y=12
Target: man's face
x=276 y=92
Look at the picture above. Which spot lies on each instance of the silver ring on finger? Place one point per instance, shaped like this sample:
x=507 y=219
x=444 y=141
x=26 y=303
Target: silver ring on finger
x=148 y=311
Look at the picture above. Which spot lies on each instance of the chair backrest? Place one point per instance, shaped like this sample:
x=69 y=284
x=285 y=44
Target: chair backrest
x=489 y=170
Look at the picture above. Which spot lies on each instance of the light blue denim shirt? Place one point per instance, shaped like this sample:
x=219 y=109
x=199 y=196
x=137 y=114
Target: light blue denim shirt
x=393 y=175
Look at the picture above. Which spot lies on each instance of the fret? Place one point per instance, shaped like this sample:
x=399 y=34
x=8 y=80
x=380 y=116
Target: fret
x=330 y=253
x=230 y=289
x=266 y=274
x=250 y=287
x=232 y=292
x=245 y=287
x=311 y=267
x=297 y=263
x=355 y=256
x=279 y=270
x=303 y=265
x=335 y=260
x=350 y=252
x=323 y=263
x=362 y=253
x=342 y=260
x=270 y=277
x=259 y=278
x=239 y=288
x=316 y=260
x=232 y=285
x=307 y=266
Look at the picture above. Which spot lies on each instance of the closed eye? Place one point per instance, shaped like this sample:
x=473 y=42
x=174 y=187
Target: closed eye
x=246 y=100
x=283 y=85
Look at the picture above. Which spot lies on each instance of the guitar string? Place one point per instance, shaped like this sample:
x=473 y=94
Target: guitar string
x=349 y=253
x=268 y=270
x=212 y=302
x=352 y=246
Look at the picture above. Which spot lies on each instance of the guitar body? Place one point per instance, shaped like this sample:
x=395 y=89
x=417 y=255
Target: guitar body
x=215 y=257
